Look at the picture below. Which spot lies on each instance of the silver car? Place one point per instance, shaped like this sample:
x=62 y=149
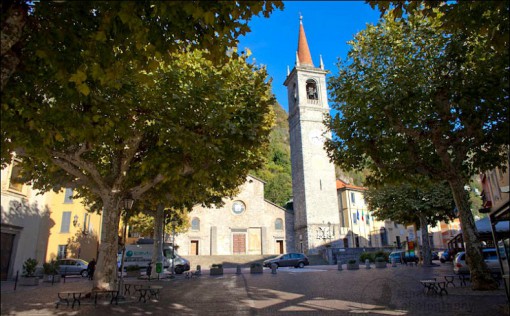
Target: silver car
x=73 y=267
x=490 y=257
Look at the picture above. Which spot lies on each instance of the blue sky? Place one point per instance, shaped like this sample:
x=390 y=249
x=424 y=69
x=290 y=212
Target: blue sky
x=328 y=27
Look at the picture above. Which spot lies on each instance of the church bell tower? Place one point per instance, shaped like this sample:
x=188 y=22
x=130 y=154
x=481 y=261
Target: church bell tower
x=316 y=214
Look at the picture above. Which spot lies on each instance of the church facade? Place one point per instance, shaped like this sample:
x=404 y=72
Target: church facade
x=326 y=213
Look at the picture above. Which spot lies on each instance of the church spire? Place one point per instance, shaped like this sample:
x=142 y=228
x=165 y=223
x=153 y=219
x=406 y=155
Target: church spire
x=303 y=51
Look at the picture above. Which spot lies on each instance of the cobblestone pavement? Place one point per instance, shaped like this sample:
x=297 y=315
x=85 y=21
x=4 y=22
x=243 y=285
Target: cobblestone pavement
x=314 y=290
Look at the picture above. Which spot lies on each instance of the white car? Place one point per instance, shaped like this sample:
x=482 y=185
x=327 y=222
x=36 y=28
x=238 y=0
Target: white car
x=490 y=257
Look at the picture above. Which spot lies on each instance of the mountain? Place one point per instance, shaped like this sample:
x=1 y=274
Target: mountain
x=276 y=171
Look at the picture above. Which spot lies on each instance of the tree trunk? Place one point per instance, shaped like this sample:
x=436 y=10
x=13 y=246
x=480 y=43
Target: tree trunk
x=480 y=275
x=157 y=253
x=105 y=276
x=426 y=254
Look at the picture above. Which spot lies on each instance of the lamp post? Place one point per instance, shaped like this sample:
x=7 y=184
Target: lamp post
x=128 y=205
x=173 y=250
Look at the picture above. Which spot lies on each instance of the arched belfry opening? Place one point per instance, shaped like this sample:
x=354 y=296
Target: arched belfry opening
x=311 y=90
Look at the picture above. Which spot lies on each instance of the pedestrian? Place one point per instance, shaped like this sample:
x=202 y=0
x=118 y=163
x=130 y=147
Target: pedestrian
x=91 y=268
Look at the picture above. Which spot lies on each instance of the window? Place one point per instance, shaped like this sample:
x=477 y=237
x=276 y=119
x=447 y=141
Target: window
x=85 y=223
x=311 y=90
x=353 y=198
x=15 y=183
x=238 y=207
x=68 y=198
x=354 y=218
x=195 y=224
x=62 y=252
x=278 y=224
x=66 y=222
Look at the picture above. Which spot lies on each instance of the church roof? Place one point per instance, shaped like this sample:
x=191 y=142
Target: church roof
x=303 y=52
x=344 y=185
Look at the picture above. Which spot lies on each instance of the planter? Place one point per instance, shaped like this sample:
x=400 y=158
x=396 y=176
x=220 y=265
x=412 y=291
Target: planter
x=216 y=271
x=51 y=278
x=380 y=264
x=256 y=268
x=28 y=281
x=132 y=273
x=353 y=266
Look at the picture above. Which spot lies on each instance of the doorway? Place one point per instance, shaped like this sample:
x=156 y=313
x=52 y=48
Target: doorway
x=279 y=247
x=194 y=248
x=239 y=244
x=7 y=243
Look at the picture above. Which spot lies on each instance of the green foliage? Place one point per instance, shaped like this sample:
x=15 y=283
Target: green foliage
x=402 y=203
x=276 y=170
x=133 y=268
x=29 y=267
x=374 y=256
x=416 y=97
x=51 y=267
x=118 y=99
x=470 y=17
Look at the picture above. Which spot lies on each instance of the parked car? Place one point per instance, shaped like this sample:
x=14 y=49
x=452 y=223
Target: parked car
x=490 y=257
x=435 y=255
x=73 y=267
x=446 y=255
x=297 y=260
x=402 y=257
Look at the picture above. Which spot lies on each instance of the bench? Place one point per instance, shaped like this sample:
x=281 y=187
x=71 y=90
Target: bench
x=113 y=293
x=449 y=279
x=152 y=290
x=438 y=287
x=64 y=297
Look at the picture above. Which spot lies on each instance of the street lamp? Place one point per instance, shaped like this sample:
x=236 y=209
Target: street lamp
x=128 y=205
x=173 y=222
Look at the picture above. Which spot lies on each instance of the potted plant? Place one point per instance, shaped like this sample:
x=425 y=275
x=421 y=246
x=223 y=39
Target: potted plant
x=216 y=269
x=132 y=271
x=256 y=268
x=352 y=264
x=28 y=277
x=380 y=262
x=51 y=272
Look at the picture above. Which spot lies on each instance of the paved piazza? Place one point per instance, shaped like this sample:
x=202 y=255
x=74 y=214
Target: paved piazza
x=314 y=290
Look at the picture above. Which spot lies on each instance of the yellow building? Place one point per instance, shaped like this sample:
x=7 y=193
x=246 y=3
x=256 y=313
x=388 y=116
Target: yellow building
x=75 y=233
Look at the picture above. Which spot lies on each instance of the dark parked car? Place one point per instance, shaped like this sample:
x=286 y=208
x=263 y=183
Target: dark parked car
x=73 y=267
x=297 y=260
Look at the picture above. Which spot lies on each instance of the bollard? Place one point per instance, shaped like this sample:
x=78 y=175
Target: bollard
x=199 y=270
x=238 y=271
x=393 y=262
x=274 y=266
x=367 y=264
x=16 y=280
x=340 y=266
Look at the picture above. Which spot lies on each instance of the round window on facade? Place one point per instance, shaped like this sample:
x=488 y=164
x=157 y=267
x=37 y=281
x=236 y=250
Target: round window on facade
x=238 y=207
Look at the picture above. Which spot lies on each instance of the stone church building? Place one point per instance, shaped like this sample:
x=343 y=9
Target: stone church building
x=251 y=225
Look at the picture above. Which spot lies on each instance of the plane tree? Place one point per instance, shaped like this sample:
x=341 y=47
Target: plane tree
x=413 y=98
x=116 y=98
x=407 y=203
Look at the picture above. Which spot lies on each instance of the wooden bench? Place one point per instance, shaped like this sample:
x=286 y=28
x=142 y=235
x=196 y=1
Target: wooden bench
x=64 y=297
x=151 y=290
x=113 y=293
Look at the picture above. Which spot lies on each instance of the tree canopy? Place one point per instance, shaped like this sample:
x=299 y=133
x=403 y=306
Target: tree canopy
x=416 y=99
x=405 y=203
x=120 y=98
